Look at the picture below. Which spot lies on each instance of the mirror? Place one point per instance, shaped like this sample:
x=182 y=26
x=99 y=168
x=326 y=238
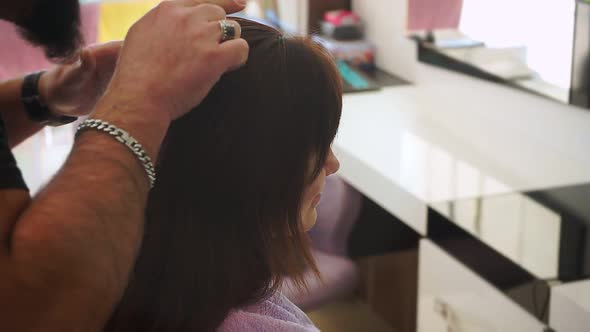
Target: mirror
x=537 y=46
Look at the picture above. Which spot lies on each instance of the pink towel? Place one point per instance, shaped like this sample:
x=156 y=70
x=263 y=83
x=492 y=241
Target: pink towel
x=17 y=57
x=275 y=314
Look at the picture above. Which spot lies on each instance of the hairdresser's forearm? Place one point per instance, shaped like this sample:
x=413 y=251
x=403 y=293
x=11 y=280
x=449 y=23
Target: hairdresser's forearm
x=79 y=237
x=18 y=125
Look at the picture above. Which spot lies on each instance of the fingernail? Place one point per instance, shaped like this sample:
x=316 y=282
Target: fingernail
x=241 y=2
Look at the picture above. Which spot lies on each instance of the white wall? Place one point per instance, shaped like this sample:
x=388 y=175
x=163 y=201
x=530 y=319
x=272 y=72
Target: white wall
x=294 y=14
x=385 y=25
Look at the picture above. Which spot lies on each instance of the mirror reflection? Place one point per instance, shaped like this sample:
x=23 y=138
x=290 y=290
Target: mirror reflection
x=527 y=44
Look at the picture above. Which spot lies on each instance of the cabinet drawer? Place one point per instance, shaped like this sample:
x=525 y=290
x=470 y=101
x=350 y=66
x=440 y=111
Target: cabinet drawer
x=453 y=298
x=570 y=307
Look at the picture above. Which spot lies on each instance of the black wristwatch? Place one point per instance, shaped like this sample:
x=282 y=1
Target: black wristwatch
x=35 y=109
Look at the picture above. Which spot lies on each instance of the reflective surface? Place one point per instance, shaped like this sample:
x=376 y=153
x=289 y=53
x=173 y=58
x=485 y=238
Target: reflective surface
x=527 y=44
x=488 y=176
x=545 y=231
x=408 y=146
x=516 y=226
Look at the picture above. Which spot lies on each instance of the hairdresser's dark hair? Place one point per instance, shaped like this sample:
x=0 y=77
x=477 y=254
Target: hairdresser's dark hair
x=223 y=224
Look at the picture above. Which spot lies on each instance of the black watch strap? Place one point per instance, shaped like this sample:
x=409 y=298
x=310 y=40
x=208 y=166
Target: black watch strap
x=35 y=109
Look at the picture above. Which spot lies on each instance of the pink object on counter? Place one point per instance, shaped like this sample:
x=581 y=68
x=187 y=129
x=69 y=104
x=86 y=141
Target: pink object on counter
x=434 y=14
x=18 y=57
x=341 y=17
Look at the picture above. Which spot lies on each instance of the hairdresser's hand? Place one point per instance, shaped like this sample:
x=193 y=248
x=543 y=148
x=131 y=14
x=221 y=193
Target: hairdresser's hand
x=73 y=89
x=173 y=56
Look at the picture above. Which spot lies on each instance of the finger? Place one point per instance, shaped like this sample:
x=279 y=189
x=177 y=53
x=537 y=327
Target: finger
x=234 y=53
x=233 y=30
x=208 y=12
x=230 y=6
x=105 y=57
x=87 y=61
x=106 y=50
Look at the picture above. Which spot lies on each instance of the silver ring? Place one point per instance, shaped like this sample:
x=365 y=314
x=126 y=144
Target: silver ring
x=228 y=30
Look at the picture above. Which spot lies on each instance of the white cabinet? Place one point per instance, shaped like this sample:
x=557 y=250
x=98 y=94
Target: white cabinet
x=570 y=307
x=451 y=298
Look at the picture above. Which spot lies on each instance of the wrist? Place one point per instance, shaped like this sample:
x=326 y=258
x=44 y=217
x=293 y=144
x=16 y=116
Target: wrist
x=35 y=104
x=44 y=92
x=143 y=120
x=134 y=106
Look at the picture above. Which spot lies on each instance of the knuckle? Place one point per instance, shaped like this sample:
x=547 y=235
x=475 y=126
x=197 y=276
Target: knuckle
x=168 y=10
x=211 y=54
x=201 y=31
x=238 y=28
x=243 y=48
x=134 y=27
x=243 y=44
x=213 y=10
x=165 y=6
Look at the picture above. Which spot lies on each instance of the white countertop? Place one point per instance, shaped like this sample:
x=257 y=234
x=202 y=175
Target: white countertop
x=408 y=146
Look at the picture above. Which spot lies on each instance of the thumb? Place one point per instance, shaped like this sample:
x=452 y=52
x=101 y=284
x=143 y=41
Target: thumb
x=106 y=50
x=105 y=55
x=87 y=61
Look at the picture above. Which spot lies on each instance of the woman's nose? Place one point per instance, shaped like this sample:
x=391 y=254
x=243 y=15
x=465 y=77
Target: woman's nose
x=332 y=163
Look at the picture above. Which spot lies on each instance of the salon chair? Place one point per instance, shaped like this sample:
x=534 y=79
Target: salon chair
x=337 y=212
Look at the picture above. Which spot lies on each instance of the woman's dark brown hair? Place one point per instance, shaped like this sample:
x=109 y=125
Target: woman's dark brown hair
x=223 y=223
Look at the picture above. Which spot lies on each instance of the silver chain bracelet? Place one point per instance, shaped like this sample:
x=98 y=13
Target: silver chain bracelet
x=123 y=137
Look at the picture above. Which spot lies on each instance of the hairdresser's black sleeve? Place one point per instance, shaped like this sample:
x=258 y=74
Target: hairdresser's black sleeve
x=10 y=175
